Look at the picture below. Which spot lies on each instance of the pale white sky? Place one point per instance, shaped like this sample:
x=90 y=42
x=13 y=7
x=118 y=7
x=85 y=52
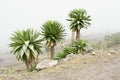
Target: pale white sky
x=20 y=14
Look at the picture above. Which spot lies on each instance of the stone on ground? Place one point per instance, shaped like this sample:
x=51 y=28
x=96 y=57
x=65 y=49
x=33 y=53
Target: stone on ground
x=47 y=63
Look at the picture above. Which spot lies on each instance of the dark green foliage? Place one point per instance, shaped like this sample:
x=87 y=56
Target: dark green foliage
x=26 y=46
x=80 y=45
x=61 y=55
x=65 y=52
x=78 y=19
x=52 y=32
x=70 y=50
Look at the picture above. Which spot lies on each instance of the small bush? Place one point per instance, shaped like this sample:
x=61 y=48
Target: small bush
x=61 y=55
x=65 y=52
x=78 y=47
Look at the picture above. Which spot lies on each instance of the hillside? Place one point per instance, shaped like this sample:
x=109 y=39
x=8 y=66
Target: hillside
x=101 y=66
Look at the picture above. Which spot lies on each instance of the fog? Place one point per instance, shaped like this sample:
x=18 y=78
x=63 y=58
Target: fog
x=20 y=14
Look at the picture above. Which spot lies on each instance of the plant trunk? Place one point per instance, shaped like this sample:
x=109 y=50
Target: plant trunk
x=37 y=60
x=27 y=65
x=72 y=39
x=78 y=35
x=52 y=52
x=30 y=64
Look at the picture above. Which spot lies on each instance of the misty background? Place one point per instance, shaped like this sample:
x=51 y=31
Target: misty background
x=21 y=14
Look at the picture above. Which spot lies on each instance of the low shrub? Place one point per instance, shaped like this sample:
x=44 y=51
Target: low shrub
x=65 y=52
x=78 y=47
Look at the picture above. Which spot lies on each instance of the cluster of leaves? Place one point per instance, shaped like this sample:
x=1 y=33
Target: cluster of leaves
x=26 y=46
x=79 y=19
x=65 y=52
x=78 y=47
x=52 y=32
x=112 y=39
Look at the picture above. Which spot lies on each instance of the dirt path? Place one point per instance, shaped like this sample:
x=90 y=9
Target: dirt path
x=101 y=66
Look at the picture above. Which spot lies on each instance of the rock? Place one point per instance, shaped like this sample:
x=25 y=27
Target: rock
x=69 y=57
x=93 y=53
x=89 y=50
x=109 y=54
x=47 y=63
x=112 y=52
x=5 y=75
